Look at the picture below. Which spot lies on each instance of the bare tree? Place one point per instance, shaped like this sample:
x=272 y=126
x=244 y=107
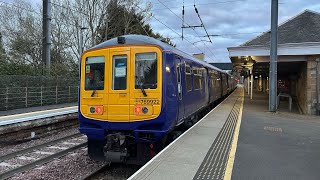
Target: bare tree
x=21 y=33
x=104 y=19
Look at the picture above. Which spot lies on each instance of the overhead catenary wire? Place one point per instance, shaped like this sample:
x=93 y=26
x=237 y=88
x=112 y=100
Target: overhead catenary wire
x=142 y=26
x=169 y=28
x=227 y=34
x=203 y=4
x=204 y=27
x=232 y=34
x=16 y=6
x=182 y=36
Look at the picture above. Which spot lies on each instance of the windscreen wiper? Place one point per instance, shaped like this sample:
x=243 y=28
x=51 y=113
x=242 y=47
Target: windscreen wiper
x=93 y=92
x=142 y=90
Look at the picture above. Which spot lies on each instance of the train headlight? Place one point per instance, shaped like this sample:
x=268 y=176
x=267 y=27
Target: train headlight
x=96 y=110
x=145 y=110
x=92 y=110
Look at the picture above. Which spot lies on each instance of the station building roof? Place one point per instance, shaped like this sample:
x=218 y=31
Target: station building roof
x=304 y=27
x=298 y=36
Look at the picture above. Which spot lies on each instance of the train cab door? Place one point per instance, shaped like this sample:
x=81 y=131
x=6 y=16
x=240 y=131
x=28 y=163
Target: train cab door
x=118 y=102
x=180 y=98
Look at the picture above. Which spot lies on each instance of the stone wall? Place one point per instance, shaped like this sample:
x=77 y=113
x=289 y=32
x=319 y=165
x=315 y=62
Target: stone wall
x=301 y=89
x=311 y=85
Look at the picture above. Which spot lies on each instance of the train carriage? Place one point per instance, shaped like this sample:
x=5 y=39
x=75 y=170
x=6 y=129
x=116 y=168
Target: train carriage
x=134 y=90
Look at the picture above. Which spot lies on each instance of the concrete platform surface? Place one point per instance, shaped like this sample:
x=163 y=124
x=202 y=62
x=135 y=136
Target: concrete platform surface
x=184 y=158
x=24 y=115
x=276 y=146
x=38 y=108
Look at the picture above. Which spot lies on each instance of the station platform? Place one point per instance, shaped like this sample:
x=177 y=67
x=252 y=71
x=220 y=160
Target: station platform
x=240 y=139
x=202 y=151
x=35 y=113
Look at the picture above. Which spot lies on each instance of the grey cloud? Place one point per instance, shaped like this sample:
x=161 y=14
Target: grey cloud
x=236 y=18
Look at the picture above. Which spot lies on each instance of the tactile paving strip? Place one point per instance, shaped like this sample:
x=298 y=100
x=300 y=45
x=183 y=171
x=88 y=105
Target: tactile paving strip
x=215 y=162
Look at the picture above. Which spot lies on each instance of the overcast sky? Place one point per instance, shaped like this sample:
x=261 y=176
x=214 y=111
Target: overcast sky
x=237 y=21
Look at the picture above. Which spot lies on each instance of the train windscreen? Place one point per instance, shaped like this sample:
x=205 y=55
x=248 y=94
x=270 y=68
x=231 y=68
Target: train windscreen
x=146 y=70
x=94 y=73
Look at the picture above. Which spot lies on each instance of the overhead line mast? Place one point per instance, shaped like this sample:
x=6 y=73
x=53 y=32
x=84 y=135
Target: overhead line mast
x=182 y=19
x=46 y=41
x=194 y=26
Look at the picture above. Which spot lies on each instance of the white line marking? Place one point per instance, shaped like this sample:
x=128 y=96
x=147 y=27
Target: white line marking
x=11 y=119
x=149 y=162
x=35 y=112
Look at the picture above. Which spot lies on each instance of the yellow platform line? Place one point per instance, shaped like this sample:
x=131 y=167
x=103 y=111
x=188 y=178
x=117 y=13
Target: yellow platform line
x=228 y=172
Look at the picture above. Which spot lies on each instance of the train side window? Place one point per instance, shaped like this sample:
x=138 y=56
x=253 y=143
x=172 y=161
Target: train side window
x=197 y=74
x=223 y=82
x=179 y=81
x=213 y=78
x=188 y=78
x=119 y=72
x=200 y=76
x=94 y=73
x=227 y=81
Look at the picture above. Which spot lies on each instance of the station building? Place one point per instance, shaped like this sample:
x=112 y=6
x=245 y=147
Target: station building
x=298 y=60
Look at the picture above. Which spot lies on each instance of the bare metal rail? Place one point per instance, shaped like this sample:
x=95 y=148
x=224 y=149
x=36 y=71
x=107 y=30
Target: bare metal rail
x=41 y=161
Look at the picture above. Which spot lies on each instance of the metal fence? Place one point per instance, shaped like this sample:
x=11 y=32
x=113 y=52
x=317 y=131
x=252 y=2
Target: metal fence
x=36 y=81
x=22 y=97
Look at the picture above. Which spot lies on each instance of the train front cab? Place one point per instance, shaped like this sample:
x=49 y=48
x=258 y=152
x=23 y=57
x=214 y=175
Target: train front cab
x=120 y=91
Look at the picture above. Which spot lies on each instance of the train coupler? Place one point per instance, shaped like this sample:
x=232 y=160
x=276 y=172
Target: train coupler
x=115 y=150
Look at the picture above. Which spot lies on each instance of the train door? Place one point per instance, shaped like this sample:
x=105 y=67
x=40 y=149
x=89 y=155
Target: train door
x=118 y=102
x=217 y=85
x=206 y=84
x=180 y=98
x=221 y=84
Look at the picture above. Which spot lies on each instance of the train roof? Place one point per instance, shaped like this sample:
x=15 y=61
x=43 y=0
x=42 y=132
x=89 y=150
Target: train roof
x=141 y=39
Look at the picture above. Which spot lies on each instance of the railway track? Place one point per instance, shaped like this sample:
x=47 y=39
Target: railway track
x=96 y=172
x=20 y=161
x=112 y=171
